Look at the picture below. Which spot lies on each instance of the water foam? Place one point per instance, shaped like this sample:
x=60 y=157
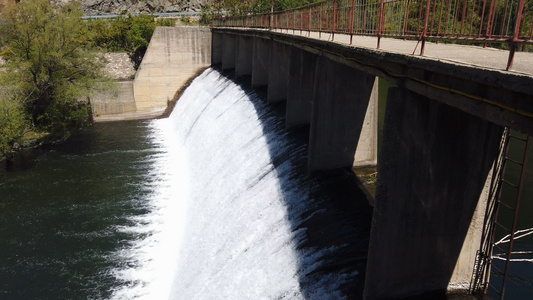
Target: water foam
x=229 y=207
x=148 y=263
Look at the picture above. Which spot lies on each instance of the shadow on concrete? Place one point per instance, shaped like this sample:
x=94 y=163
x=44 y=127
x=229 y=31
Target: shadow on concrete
x=432 y=171
x=329 y=215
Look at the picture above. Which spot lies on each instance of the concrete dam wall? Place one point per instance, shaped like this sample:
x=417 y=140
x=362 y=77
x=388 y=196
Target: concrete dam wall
x=444 y=123
x=175 y=55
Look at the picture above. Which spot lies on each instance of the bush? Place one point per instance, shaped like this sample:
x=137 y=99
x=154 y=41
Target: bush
x=13 y=123
x=49 y=65
x=126 y=33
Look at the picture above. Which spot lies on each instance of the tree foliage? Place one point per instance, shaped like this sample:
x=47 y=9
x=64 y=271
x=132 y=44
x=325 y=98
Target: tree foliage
x=125 y=33
x=50 y=67
x=13 y=124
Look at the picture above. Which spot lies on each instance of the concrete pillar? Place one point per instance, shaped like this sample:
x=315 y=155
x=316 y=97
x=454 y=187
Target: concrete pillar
x=278 y=72
x=366 y=153
x=432 y=172
x=243 y=63
x=228 y=52
x=216 y=48
x=260 y=62
x=302 y=66
x=340 y=100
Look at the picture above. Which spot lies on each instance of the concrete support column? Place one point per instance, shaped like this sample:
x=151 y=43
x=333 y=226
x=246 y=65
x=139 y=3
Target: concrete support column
x=260 y=62
x=278 y=72
x=228 y=52
x=302 y=66
x=435 y=163
x=216 y=48
x=243 y=59
x=340 y=100
x=366 y=153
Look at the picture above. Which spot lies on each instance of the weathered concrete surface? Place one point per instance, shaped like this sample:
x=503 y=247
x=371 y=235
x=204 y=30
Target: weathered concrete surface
x=432 y=172
x=120 y=101
x=260 y=62
x=340 y=100
x=244 y=56
x=174 y=55
x=366 y=152
x=107 y=106
x=216 y=48
x=302 y=66
x=278 y=71
x=228 y=51
x=475 y=82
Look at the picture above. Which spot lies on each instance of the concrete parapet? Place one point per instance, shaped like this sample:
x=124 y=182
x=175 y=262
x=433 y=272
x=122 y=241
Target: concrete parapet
x=173 y=56
x=260 y=62
x=340 y=101
x=302 y=66
x=244 y=55
x=228 y=51
x=435 y=163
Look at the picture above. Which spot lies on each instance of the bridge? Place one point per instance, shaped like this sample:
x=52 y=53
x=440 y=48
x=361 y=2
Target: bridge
x=442 y=136
x=451 y=114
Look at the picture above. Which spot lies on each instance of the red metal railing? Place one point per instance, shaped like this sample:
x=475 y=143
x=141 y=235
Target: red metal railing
x=508 y=23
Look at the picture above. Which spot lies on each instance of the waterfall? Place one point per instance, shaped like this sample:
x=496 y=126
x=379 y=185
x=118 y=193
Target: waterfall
x=253 y=224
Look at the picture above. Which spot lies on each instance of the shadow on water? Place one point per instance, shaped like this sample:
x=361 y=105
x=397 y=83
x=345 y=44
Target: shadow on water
x=331 y=229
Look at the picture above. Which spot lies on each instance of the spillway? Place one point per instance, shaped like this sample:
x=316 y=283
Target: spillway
x=244 y=219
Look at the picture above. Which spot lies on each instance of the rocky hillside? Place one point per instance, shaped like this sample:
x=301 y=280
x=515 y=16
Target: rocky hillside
x=105 y=7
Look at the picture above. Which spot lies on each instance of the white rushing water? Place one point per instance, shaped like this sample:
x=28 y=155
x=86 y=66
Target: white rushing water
x=220 y=226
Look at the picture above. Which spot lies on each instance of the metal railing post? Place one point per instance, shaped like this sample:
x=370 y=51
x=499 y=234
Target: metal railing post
x=334 y=19
x=516 y=33
x=381 y=17
x=424 y=33
x=351 y=21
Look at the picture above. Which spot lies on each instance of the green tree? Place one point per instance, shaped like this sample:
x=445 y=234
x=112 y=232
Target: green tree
x=50 y=67
x=125 y=33
x=13 y=125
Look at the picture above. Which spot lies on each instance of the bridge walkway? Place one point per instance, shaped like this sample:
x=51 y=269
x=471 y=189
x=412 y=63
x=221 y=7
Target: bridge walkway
x=476 y=56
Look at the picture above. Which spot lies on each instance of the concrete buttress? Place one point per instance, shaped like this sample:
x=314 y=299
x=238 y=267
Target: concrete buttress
x=340 y=101
x=243 y=59
x=302 y=66
x=432 y=174
x=260 y=61
x=228 y=51
x=278 y=71
x=216 y=48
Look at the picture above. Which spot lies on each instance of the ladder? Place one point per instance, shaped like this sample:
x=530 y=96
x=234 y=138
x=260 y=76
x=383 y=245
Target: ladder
x=496 y=206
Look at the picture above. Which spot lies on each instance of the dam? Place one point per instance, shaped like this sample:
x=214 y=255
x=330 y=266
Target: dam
x=245 y=193
x=449 y=115
x=332 y=89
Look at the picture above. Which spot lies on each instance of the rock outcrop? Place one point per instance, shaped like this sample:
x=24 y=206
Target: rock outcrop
x=3 y=3
x=105 y=7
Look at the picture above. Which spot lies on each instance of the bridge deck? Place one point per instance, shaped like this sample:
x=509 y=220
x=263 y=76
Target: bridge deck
x=489 y=58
